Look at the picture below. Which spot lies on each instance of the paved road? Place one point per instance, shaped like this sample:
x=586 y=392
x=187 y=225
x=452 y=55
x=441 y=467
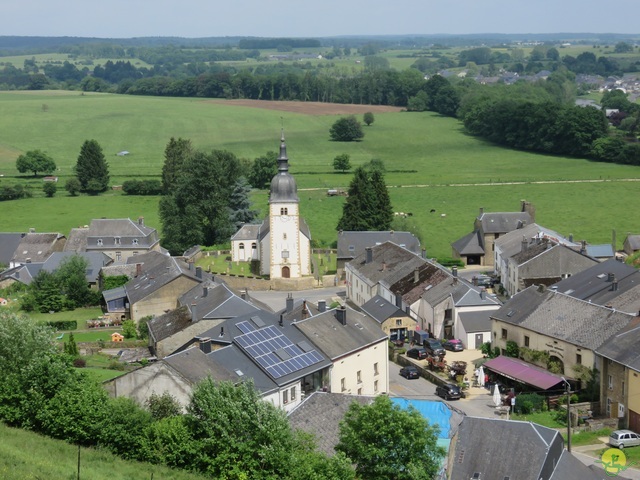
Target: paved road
x=277 y=300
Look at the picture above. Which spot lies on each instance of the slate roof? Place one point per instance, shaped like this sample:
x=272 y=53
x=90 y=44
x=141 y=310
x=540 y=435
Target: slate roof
x=470 y=244
x=170 y=323
x=96 y=260
x=37 y=247
x=623 y=346
x=462 y=293
x=351 y=244
x=604 y=250
x=380 y=309
x=131 y=235
x=194 y=365
x=77 y=241
x=219 y=302
x=24 y=273
x=499 y=449
x=321 y=413
x=301 y=309
x=511 y=243
x=478 y=321
x=595 y=285
x=388 y=259
x=633 y=241
x=563 y=317
x=404 y=282
x=336 y=340
x=8 y=244
x=503 y=222
x=570 y=468
x=247 y=232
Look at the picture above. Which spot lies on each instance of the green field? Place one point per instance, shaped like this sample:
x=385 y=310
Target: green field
x=431 y=163
x=29 y=456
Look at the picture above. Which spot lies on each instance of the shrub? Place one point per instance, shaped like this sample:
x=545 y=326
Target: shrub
x=63 y=324
x=116 y=365
x=512 y=349
x=142 y=187
x=79 y=362
x=530 y=402
x=346 y=129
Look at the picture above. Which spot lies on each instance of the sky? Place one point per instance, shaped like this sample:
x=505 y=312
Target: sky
x=302 y=18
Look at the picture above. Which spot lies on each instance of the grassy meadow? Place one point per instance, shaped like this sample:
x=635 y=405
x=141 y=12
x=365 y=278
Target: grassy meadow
x=431 y=164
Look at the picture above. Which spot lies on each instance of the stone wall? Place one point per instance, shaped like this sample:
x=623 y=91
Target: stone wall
x=279 y=284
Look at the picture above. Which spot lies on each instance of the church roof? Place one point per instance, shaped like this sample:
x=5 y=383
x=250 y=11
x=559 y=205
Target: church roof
x=283 y=185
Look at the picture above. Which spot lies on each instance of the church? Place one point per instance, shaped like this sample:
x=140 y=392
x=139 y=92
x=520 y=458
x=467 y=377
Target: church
x=282 y=242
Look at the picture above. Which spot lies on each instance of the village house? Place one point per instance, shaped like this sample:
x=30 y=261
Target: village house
x=36 y=247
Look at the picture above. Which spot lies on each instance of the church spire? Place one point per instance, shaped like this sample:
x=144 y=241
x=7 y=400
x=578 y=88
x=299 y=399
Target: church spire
x=283 y=161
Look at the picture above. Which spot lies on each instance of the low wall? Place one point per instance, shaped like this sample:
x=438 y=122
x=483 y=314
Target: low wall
x=279 y=284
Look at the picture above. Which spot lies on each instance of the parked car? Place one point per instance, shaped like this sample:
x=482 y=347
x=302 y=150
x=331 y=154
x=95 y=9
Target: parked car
x=417 y=353
x=624 y=438
x=454 y=345
x=448 y=391
x=434 y=347
x=409 y=372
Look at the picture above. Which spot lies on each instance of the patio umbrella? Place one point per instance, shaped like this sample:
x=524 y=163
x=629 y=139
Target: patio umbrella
x=481 y=376
x=497 y=400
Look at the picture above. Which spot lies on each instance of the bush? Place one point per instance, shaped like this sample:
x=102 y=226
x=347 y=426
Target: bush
x=142 y=187
x=346 y=129
x=73 y=186
x=49 y=189
x=79 y=362
x=63 y=324
x=116 y=365
x=530 y=402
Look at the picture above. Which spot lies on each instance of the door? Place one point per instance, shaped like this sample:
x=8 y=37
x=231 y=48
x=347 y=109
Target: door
x=479 y=341
x=286 y=273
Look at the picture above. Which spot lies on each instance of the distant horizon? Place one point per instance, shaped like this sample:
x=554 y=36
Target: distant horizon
x=332 y=18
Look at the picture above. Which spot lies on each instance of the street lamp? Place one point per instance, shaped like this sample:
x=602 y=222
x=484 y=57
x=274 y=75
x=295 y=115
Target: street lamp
x=568 y=389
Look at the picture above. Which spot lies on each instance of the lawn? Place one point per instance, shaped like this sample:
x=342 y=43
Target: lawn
x=541 y=418
x=29 y=456
x=431 y=164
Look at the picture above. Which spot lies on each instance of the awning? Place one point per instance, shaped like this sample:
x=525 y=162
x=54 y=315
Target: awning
x=523 y=372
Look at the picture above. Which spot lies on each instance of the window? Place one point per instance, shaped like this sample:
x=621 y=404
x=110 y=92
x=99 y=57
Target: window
x=526 y=341
x=375 y=386
x=578 y=359
x=285 y=397
x=135 y=241
x=398 y=322
x=135 y=253
x=118 y=256
x=343 y=385
x=241 y=246
x=100 y=242
x=375 y=368
x=293 y=393
x=254 y=246
x=504 y=334
x=610 y=378
x=284 y=211
x=284 y=236
x=117 y=240
x=359 y=376
x=359 y=391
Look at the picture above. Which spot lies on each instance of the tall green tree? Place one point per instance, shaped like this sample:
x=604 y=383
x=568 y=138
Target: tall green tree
x=240 y=211
x=346 y=129
x=386 y=442
x=175 y=154
x=342 y=162
x=35 y=161
x=196 y=211
x=92 y=169
x=368 y=206
x=263 y=169
x=368 y=118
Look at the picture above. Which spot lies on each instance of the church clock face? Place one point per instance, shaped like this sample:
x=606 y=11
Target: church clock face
x=284 y=218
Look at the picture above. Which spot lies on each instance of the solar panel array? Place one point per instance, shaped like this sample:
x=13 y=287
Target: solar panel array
x=273 y=350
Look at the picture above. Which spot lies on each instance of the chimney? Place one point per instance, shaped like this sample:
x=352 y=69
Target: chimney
x=525 y=244
x=27 y=260
x=424 y=253
x=194 y=316
x=138 y=269
x=610 y=277
x=221 y=332
x=205 y=291
x=289 y=303
x=454 y=271
x=191 y=266
x=583 y=247
x=482 y=293
x=243 y=294
x=614 y=285
x=481 y=211
x=384 y=266
x=199 y=272
x=341 y=314
x=571 y=237
x=416 y=275
x=305 y=312
x=281 y=321
x=322 y=306
x=205 y=344
x=369 y=255
x=141 y=221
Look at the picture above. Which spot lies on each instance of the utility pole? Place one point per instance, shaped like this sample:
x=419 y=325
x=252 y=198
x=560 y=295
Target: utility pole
x=568 y=389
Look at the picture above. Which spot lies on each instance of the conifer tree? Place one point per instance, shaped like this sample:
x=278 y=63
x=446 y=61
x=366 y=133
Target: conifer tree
x=92 y=169
x=368 y=206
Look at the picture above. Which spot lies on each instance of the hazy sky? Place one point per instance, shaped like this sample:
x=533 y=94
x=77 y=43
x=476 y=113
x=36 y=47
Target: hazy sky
x=300 y=18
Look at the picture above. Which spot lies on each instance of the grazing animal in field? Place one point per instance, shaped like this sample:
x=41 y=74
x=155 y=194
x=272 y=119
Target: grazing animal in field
x=433 y=210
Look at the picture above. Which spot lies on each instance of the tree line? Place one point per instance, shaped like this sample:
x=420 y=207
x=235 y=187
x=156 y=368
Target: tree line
x=226 y=431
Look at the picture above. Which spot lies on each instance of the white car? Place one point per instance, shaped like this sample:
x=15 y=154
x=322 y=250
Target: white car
x=624 y=438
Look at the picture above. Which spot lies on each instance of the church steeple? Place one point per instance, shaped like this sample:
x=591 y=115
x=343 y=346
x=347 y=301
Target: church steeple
x=283 y=185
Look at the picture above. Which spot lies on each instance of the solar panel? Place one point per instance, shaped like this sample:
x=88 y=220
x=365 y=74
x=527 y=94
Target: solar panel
x=273 y=350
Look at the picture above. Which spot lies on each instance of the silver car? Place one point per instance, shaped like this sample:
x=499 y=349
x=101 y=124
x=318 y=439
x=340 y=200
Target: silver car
x=624 y=438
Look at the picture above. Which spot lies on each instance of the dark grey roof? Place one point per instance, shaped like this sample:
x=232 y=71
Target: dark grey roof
x=320 y=414
x=218 y=302
x=380 y=309
x=503 y=449
x=169 y=324
x=336 y=340
x=511 y=243
x=8 y=244
x=22 y=273
x=301 y=309
x=623 y=346
x=114 y=293
x=570 y=468
x=403 y=282
x=388 y=260
x=503 y=222
x=283 y=185
x=77 y=241
x=352 y=244
x=563 y=317
x=595 y=285
x=233 y=359
x=461 y=292
x=96 y=260
x=633 y=241
x=194 y=365
x=247 y=232
x=604 y=250
x=478 y=321
x=157 y=270
x=121 y=233
x=471 y=244
x=37 y=247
